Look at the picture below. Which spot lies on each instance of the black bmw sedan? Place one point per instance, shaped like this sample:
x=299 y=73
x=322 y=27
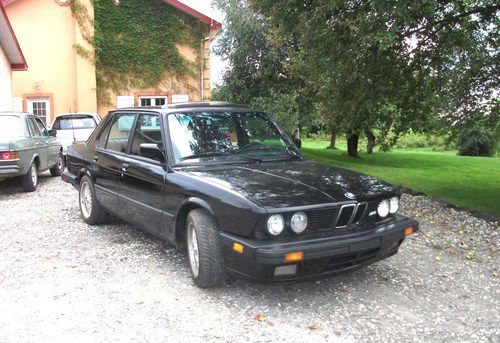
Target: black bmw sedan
x=226 y=182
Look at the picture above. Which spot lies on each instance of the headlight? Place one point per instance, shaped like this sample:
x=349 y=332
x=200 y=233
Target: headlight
x=383 y=208
x=275 y=224
x=299 y=222
x=394 y=205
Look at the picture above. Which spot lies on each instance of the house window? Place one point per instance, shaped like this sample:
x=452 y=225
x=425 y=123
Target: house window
x=152 y=100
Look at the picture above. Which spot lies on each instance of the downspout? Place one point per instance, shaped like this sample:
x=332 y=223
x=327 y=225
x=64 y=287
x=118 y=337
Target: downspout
x=202 y=67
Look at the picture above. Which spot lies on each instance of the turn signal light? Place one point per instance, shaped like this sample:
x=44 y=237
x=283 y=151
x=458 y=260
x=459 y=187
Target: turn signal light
x=408 y=231
x=294 y=256
x=238 y=247
x=9 y=155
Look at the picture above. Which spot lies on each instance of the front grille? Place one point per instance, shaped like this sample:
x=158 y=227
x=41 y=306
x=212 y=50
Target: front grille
x=324 y=219
x=345 y=215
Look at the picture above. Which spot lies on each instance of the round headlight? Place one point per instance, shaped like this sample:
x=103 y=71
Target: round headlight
x=383 y=208
x=275 y=224
x=394 y=205
x=299 y=222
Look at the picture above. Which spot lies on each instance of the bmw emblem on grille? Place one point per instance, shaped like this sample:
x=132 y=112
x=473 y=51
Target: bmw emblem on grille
x=349 y=195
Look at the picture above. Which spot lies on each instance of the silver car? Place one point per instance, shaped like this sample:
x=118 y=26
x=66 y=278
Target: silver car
x=74 y=127
x=27 y=149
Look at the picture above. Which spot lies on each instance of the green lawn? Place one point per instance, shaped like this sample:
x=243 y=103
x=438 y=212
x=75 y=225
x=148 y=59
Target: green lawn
x=466 y=181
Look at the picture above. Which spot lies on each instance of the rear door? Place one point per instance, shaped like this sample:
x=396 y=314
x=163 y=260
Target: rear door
x=143 y=171
x=51 y=144
x=111 y=145
x=41 y=147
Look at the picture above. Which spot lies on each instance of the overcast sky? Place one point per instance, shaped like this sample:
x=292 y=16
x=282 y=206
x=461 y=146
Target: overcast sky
x=205 y=7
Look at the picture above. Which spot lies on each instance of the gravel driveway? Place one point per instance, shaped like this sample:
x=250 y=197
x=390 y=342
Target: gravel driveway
x=60 y=278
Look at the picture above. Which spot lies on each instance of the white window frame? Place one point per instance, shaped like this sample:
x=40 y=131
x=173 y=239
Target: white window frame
x=153 y=99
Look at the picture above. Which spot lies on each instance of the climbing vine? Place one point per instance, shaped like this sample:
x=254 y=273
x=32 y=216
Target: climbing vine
x=136 y=44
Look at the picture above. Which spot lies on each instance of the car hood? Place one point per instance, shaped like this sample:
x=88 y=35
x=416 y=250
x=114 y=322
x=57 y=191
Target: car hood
x=295 y=183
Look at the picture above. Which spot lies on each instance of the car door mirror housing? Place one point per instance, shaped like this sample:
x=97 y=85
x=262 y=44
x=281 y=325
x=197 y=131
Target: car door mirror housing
x=152 y=151
x=53 y=133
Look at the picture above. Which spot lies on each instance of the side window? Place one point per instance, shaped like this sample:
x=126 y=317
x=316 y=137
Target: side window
x=120 y=132
x=103 y=135
x=147 y=131
x=57 y=124
x=41 y=127
x=34 y=128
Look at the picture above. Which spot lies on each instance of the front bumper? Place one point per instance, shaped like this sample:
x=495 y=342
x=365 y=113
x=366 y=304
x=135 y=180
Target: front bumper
x=337 y=252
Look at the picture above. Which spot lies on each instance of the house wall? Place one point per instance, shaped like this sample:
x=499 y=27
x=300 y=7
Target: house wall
x=5 y=82
x=47 y=32
x=190 y=86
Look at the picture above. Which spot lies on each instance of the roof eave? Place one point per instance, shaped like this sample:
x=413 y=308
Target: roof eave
x=23 y=66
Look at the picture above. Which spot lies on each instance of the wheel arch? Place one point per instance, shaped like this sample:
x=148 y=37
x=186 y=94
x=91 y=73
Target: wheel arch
x=187 y=206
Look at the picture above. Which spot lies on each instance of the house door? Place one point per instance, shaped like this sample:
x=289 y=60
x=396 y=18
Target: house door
x=41 y=108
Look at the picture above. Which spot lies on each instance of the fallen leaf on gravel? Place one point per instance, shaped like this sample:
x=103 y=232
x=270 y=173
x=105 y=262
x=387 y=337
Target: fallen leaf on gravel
x=469 y=255
x=270 y=323
x=461 y=233
x=494 y=274
x=260 y=318
x=428 y=235
x=438 y=258
x=312 y=326
x=337 y=333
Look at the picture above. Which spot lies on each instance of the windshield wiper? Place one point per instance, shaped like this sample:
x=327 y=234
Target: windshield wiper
x=207 y=154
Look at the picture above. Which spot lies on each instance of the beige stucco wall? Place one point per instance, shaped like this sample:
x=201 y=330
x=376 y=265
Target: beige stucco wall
x=5 y=83
x=47 y=32
x=190 y=85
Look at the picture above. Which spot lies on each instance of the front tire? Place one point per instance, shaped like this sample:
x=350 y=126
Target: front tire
x=58 y=169
x=90 y=209
x=205 y=255
x=29 y=182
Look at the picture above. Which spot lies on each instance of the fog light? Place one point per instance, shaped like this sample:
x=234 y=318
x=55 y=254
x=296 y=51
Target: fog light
x=285 y=270
x=294 y=256
x=238 y=247
x=408 y=231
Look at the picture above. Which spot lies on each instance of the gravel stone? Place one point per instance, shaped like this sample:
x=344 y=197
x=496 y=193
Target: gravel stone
x=61 y=278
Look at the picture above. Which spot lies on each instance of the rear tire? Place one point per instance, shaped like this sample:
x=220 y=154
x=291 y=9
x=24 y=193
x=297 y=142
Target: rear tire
x=29 y=182
x=90 y=209
x=205 y=254
x=58 y=169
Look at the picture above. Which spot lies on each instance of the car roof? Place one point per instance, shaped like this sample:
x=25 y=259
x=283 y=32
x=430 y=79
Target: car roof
x=195 y=106
x=78 y=114
x=16 y=114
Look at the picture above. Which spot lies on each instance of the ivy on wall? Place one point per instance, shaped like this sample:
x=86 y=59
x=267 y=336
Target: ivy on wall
x=135 y=44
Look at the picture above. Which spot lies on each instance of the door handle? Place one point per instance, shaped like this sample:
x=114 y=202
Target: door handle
x=96 y=158
x=125 y=166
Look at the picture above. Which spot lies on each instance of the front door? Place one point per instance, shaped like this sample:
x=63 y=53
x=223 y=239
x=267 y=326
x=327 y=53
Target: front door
x=40 y=107
x=143 y=171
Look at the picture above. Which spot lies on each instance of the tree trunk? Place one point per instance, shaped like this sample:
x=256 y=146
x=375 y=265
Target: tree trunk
x=352 y=145
x=371 y=141
x=333 y=137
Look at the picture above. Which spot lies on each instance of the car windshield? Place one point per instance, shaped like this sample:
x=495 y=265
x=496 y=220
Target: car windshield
x=217 y=136
x=10 y=127
x=74 y=123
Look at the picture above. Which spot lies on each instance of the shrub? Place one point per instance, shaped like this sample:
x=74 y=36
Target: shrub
x=476 y=142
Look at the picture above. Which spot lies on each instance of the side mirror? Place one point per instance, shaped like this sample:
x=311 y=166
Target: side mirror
x=152 y=151
x=297 y=142
x=53 y=133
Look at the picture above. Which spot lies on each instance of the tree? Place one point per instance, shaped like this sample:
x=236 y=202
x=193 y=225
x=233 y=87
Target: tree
x=258 y=74
x=391 y=65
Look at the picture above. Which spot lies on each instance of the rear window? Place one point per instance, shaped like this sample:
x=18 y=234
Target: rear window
x=10 y=127
x=74 y=123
